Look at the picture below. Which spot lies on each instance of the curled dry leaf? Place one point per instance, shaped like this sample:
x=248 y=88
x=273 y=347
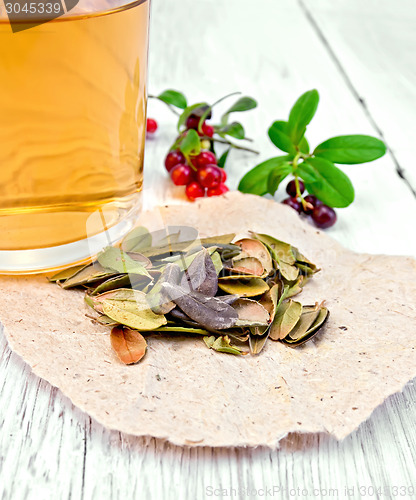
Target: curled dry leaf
x=257 y=339
x=119 y=294
x=290 y=290
x=250 y=288
x=87 y=274
x=222 y=344
x=250 y=313
x=159 y=298
x=137 y=239
x=130 y=308
x=311 y=320
x=216 y=260
x=181 y=329
x=138 y=257
x=247 y=265
x=255 y=248
x=121 y=281
x=117 y=260
x=281 y=251
x=129 y=345
x=209 y=312
x=201 y=275
x=287 y=316
x=65 y=273
x=270 y=299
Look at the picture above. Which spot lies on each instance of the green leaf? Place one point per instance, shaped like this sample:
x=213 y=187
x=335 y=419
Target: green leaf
x=277 y=175
x=256 y=180
x=242 y=104
x=223 y=158
x=327 y=182
x=351 y=149
x=279 y=136
x=304 y=146
x=301 y=114
x=234 y=129
x=173 y=98
x=191 y=143
x=198 y=108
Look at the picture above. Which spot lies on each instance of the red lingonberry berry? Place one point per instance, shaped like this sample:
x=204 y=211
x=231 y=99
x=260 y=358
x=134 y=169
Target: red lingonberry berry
x=291 y=188
x=218 y=190
x=207 y=130
x=324 y=216
x=312 y=202
x=294 y=203
x=151 y=126
x=223 y=175
x=209 y=176
x=192 y=122
x=173 y=158
x=181 y=174
x=194 y=190
x=205 y=158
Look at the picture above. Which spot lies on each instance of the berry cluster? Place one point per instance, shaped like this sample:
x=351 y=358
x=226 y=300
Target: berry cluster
x=200 y=173
x=322 y=215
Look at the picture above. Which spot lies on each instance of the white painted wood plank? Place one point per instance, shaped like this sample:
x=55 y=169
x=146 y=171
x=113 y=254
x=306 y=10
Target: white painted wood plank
x=49 y=449
x=375 y=44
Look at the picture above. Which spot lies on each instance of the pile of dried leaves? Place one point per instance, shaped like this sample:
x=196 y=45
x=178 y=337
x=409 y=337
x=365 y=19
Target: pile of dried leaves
x=233 y=293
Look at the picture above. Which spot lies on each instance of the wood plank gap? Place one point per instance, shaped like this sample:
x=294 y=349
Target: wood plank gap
x=85 y=459
x=315 y=26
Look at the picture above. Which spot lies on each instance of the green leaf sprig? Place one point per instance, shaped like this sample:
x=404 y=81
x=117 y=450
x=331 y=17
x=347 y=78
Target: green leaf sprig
x=191 y=141
x=316 y=169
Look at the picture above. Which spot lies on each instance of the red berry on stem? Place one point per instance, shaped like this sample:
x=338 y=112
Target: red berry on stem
x=218 y=190
x=324 y=216
x=223 y=175
x=313 y=200
x=181 y=174
x=205 y=158
x=173 y=158
x=207 y=130
x=209 y=176
x=151 y=126
x=294 y=203
x=194 y=190
x=192 y=122
x=291 y=188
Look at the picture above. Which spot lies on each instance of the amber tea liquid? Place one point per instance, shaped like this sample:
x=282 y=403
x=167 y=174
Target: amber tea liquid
x=72 y=128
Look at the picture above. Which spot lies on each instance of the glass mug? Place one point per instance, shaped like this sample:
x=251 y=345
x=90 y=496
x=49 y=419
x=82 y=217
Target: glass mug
x=72 y=129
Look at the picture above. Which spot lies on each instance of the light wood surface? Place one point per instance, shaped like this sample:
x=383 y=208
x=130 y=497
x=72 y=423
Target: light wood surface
x=360 y=56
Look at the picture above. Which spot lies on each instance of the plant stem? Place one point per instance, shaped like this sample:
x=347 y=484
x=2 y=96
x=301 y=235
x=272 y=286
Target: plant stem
x=295 y=165
x=209 y=109
x=151 y=96
x=231 y=144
